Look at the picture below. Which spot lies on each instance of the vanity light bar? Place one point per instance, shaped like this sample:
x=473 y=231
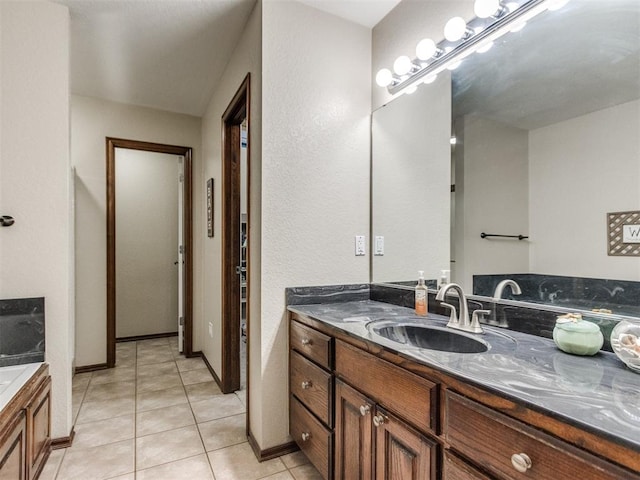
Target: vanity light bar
x=488 y=30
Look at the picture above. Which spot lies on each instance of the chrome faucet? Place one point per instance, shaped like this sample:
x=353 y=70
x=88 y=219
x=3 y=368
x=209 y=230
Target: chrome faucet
x=462 y=321
x=515 y=288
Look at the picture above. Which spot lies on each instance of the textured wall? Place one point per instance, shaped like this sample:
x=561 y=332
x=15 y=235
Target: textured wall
x=36 y=252
x=315 y=174
x=93 y=120
x=580 y=170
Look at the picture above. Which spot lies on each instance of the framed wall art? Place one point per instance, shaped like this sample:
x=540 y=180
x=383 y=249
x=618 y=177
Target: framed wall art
x=623 y=234
x=210 y=207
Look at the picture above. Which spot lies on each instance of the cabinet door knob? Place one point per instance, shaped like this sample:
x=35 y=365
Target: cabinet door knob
x=305 y=436
x=307 y=385
x=364 y=410
x=306 y=342
x=379 y=420
x=521 y=462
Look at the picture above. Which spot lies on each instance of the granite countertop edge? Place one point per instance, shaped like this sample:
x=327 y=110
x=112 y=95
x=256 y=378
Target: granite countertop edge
x=596 y=393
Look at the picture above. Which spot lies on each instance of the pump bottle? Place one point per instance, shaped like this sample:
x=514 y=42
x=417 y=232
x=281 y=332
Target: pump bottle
x=421 y=296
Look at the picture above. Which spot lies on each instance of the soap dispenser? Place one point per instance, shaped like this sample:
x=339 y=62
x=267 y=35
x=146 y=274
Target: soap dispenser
x=421 y=296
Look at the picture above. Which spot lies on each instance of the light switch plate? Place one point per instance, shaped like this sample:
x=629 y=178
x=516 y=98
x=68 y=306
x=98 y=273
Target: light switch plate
x=378 y=245
x=211 y=329
x=360 y=247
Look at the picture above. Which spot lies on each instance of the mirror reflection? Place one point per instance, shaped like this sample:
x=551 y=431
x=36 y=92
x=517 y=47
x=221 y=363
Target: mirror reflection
x=547 y=128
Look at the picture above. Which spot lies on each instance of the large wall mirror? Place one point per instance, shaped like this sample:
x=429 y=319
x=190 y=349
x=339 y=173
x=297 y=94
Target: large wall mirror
x=547 y=128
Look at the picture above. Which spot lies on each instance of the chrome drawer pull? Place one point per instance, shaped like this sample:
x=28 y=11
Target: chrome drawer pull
x=305 y=436
x=364 y=410
x=306 y=342
x=307 y=385
x=379 y=420
x=521 y=462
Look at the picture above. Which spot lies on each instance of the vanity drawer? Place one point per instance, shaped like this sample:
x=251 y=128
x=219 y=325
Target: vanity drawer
x=312 y=344
x=490 y=439
x=312 y=386
x=312 y=437
x=409 y=396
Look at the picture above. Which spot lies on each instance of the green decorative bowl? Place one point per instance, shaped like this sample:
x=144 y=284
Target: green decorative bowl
x=577 y=337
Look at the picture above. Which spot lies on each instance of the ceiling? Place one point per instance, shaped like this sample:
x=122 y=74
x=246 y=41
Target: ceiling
x=563 y=64
x=169 y=54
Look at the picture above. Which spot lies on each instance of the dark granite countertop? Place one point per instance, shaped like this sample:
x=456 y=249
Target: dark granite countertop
x=596 y=393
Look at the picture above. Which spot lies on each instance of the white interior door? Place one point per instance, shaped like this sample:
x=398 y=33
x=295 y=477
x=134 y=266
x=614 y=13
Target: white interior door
x=180 y=247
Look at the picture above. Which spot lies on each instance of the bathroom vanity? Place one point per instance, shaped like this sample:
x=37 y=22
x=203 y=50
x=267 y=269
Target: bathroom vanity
x=25 y=431
x=363 y=405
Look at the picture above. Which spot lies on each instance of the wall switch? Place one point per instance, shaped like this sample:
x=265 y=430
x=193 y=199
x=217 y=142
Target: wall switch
x=360 y=247
x=378 y=245
x=211 y=329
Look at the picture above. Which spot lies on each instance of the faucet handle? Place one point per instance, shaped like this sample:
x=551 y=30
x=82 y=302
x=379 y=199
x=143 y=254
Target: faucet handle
x=453 y=316
x=476 y=316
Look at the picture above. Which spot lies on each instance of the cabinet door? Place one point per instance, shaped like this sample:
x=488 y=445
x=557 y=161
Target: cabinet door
x=401 y=452
x=13 y=449
x=454 y=468
x=38 y=424
x=353 y=453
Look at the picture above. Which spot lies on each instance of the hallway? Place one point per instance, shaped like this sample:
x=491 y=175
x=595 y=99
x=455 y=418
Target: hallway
x=160 y=416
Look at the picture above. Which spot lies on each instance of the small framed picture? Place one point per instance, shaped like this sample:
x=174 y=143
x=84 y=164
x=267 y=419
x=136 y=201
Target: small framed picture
x=624 y=234
x=210 y=207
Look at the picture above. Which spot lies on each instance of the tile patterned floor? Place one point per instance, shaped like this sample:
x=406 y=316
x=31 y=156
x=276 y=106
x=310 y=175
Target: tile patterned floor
x=160 y=416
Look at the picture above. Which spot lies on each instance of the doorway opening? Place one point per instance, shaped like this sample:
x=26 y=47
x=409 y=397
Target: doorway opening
x=130 y=154
x=236 y=224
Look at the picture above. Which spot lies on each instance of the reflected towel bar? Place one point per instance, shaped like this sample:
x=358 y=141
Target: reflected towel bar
x=486 y=235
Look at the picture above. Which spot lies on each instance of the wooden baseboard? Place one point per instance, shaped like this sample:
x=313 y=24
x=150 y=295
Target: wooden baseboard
x=91 y=368
x=211 y=370
x=273 y=452
x=63 y=442
x=146 y=337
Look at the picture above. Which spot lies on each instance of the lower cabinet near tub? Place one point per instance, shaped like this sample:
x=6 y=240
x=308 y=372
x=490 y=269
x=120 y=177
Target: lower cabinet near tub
x=360 y=412
x=25 y=432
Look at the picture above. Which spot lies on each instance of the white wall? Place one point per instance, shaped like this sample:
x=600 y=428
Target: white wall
x=580 y=170
x=315 y=176
x=411 y=165
x=492 y=196
x=146 y=242
x=91 y=121
x=246 y=58
x=35 y=253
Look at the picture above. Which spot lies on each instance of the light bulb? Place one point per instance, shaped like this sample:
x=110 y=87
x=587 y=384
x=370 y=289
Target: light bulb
x=402 y=65
x=454 y=65
x=410 y=89
x=556 y=4
x=384 y=77
x=518 y=26
x=455 y=29
x=485 y=48
x=486 y=8
x=430 y=79
x=426 y=49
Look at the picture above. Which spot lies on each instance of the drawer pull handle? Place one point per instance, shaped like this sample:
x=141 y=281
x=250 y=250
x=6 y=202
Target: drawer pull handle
x=521 y=462
x=305 y=436
x=364 y=410
x=379 y=420
x=307 y=385
x=306 y=342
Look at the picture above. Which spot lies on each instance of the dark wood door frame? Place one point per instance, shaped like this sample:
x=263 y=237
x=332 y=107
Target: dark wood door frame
x=234 y=115
x=186 y=152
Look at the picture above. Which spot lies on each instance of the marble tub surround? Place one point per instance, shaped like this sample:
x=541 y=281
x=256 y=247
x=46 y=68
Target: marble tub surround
x=619 y=296
x=22 y=335
x=596 y=393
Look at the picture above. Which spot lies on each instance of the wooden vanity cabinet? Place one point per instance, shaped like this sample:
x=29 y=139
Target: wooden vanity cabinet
x=39 y=429
x=396 y=419
x=510 y=449
x=13 y=449
x=25 y=429
x=311 y=395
